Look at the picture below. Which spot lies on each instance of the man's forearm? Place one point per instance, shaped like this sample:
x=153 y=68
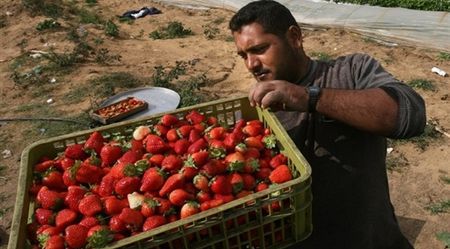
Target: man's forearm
x=372 y=110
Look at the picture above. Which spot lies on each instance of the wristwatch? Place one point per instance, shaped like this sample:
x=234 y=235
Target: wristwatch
x=313 y=94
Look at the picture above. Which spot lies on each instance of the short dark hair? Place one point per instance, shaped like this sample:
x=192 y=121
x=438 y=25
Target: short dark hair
x=274 y=17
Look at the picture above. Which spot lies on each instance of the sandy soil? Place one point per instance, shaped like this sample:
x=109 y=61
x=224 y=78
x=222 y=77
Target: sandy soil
x=414 y=186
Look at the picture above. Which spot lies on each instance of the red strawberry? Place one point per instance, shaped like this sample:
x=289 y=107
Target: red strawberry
x=44 y=216
x=194 y=135
x=99 y=236
x=231 y=141
x=199 y=158
x=217 y=149
x=169 y=120
x=154 y=144
x=213 y=167
x=152 y=180
x=217 y=133
x=194 y=117
x=118 y=170
x=201 y=182
x=112 y=205
x=261 y=186
x=153 y=222
x=132 y=218
x=117 y=225
x=181 y=146
x=44 y=166
x=130 y=156
x=164 y=207
x=252 y=152
x=90 y=205
x=75 y=152
x=68 y=178
x=53 y=179
x=197 y=146
x=127 y=185
x=53 y=242
x=94 y=142
x=76 y=236
x=106 y=187
x=211 y=121
x=110 y=153
x=179 y=196
x=137 y=145
x=49 y=199
x=263 y=173
x=280 y=174
x=235 y=161
x=253 y=129
x=171 y=163
x=278 y=160
x=225 y=198
x=188 y=209
x=203 y=196
x=211 y=204
x=156 y=159
x=89 y=222
x=66 y=163
x=65 y=217
x=236 y=181
x=48 y=230
x=254 y=142
x=74 y=196
x=172 y=135
x=88 y=173
x=243 y=193
x=149 y=207
x=251 y=165
x=220 y=184
x=160 y=130
x=173 y=182
x=184 y=131
x=249 y=181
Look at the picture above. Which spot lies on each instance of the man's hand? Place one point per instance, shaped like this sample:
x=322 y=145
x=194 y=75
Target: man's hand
x=278 y=94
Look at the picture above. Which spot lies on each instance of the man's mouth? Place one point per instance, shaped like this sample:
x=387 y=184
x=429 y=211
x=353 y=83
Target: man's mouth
x=261 y=75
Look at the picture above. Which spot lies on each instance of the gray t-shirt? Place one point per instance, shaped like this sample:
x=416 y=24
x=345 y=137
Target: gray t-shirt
x=351 y=203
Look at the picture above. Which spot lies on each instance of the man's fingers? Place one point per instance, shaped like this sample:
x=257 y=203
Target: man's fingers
x=260 y=90
x=271 y=99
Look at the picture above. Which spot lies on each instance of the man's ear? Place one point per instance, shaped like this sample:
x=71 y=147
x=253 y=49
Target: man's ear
x=294 y=36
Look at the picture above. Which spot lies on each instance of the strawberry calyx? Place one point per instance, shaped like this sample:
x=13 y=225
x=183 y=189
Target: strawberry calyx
x=189 y=162
x=217 y=152
x=270 y=141
x=136 y=169
x=42 y=238
x=73 y=170
x=100 y=238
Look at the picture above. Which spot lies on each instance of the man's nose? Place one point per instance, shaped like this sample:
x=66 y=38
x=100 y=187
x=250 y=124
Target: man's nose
x=253 y=62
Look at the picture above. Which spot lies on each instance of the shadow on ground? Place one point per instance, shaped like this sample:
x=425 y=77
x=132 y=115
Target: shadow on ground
x=410 y=227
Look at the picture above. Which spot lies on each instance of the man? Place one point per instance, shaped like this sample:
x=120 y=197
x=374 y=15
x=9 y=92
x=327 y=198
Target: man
x=338 y=113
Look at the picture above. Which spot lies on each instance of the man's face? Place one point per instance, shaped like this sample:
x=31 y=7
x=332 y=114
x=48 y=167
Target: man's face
x=266 y=56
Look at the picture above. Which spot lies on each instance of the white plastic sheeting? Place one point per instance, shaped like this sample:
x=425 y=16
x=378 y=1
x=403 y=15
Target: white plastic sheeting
x=422 y=28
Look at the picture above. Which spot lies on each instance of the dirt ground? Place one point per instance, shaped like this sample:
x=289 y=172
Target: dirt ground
x=418 y=179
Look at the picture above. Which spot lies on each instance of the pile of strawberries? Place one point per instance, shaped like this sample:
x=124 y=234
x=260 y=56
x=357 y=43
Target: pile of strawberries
x=108 y=189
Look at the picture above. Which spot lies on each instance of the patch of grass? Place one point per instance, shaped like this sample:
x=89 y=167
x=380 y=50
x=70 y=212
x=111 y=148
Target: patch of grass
x=52 y=9
x=423 y=84
x=111 y=29
x=2 y=169
x=91 y=2
x=48 y=24
x=210 y=32
x=103 y=86
x=321 y=56
x=444 y=56
x=172 y=30
x=3 y=22
x=445 y=179
x=218 y=20
x=88 y=16
x=103 y=57
x=47 y=129
x=439 y=207
x=164 y=78
x=189 y=91
x=444 y=237
x=423 y=141
x=395 y=162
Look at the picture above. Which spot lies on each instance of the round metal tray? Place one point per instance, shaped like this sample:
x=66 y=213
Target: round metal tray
x=159 y=99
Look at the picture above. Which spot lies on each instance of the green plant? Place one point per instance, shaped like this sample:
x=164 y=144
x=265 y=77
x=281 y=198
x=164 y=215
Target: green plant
x=102 y=56
x=218 y=20
x=444 y=56
x=444 y=237
x=322 y=56
x=210 y=32
x=3 y=21
x=91 y=2
x=52 y=9
x=98 y=41
x=111 y=29
x=188 y=90
x=437 y=5
x=423 y=84
x=2 y=169
x=48 y=24
x=440 y=207
x=88 y=16
x=163 y=78
x=445 y=179
x=396 y=162
x=172 y=30
x=423 y=141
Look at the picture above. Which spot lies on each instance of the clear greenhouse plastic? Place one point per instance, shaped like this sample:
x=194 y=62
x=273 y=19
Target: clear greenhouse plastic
x=421 y=28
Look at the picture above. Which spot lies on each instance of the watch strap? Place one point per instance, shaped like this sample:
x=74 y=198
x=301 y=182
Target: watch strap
x=313 y=97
